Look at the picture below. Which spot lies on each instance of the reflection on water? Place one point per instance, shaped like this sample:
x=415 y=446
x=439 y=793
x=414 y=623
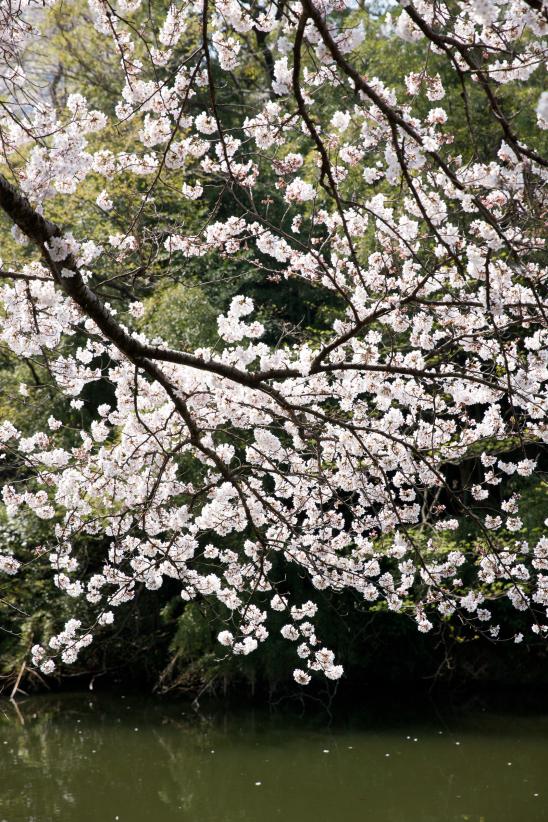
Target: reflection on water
x=94 y=759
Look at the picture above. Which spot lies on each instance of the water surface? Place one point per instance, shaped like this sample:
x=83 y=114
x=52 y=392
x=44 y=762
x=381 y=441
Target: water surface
x=80 y=758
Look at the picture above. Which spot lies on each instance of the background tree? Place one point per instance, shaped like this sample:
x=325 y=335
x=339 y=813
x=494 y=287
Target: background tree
x=387 y=231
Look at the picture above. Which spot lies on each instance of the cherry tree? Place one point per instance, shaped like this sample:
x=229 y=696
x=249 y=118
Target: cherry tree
x=327 y=453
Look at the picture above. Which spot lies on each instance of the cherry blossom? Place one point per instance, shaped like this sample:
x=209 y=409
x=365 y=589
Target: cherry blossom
x=329 y=454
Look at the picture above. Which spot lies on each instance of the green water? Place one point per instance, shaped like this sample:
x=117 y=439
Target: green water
x=97 y=758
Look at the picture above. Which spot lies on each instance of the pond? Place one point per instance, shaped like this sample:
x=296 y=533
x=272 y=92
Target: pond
x=87 y=758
